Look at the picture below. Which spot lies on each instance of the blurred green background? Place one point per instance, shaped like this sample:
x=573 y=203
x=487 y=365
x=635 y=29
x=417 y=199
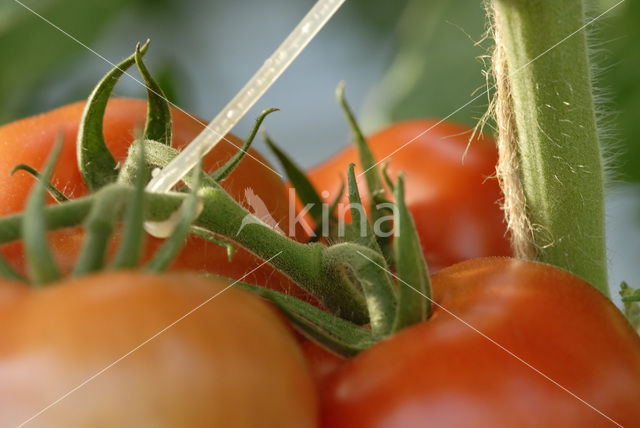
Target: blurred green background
x=400 y=59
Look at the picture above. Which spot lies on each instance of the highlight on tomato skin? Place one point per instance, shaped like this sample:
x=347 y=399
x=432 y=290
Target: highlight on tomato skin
x=450 y=189
x=30 y=140
x=231 y=363
x=510 y=343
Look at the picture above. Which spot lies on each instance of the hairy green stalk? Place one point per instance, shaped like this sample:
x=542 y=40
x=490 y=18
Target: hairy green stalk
x=551 y=104
x=313 y=266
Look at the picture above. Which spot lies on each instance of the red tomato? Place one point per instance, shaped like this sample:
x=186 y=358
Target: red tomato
x=448 y=191
x=229 y=363
x=322 y=363
x=504 y=342
x=30 y=140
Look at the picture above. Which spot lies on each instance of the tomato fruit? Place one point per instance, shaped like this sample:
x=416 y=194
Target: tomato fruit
x=459 y=371
x=322 y=363
x=231 y=362
x=30 y=140
x=448 y=191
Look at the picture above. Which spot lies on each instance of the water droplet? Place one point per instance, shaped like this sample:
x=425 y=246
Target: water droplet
x=155 y=172
x=231 y=113
x=306 y=27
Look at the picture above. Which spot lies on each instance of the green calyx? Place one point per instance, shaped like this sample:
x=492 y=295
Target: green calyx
x=41 y=263
x=378 y=204
x=364 y=295
x=95 y=161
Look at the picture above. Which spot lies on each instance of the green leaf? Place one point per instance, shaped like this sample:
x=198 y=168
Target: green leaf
x=99 y=226
x=361 y=229
x=377 y=204
x=95 y=161
x=342 y=337
x=414 y=286
x=208 y=236
x=332 y=230
x=55 y=193
x=40 y=261
x=158 y=124
x=304 y=189
x=226 y=169
x=386 y=177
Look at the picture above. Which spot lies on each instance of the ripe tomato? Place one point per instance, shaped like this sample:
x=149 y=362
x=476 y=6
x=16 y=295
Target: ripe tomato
x=322 y=363
x=30 y=140
x=447 y=190
x=229 y=363
x=458 y=371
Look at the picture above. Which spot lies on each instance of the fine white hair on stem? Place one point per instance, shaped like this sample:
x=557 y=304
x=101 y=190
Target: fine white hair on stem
x=606 y=111
x=520 y=229
x=501 y=112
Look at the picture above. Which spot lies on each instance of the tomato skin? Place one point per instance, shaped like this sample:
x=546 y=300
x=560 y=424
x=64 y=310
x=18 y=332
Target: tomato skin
x=30 y=140
x=447 y=190
x=322 y=363
x=231 y=362
x=445 y=374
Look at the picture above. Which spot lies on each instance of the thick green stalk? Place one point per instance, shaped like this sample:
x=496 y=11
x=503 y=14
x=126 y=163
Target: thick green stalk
x=307 y=264
x=551 y=103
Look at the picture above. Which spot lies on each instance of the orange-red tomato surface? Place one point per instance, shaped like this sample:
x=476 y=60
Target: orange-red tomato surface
x=448 y=188
x=509 y=344
x=133 y=349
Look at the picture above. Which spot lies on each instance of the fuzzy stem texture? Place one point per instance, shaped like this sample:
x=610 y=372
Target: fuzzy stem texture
x=309 y=265
x=546 y=65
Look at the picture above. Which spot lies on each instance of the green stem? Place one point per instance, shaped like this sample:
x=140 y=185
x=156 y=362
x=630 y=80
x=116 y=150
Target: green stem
x=560 y=163
x=173 y=244
x=309 y=265
x=306 y=264
x=130 y=248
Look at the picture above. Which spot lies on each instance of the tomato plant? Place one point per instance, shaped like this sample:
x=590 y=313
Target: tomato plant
x=504 y=341
x=29 y=141
x=449 y=189
x=231 y=362
x=497 y=339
